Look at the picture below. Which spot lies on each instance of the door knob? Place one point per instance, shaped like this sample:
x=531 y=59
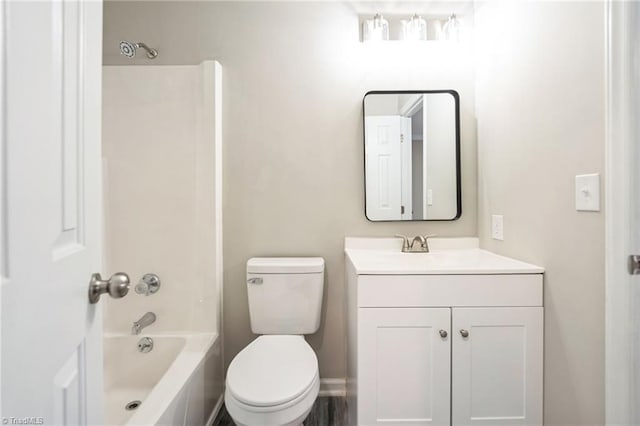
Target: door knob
x=117 y=286
x=464 y=333
x=443 y=333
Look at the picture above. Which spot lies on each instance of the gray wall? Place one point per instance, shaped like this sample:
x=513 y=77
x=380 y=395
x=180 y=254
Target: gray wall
x=294 y=78
x=540 y=122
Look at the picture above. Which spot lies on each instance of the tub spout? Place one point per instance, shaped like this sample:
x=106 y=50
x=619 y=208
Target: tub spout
x=146 y=320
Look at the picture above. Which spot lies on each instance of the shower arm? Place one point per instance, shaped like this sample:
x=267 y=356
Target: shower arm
x=151 y=52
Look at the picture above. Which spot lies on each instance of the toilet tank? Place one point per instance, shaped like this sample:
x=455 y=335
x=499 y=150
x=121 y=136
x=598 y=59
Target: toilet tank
x=285 y=294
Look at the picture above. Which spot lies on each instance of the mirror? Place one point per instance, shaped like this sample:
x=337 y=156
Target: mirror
x=412 y=155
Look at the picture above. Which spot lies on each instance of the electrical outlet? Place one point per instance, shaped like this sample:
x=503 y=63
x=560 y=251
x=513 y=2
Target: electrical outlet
x=497 y=227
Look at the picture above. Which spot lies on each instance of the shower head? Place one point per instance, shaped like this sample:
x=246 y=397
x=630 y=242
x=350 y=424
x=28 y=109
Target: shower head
x=128 y=49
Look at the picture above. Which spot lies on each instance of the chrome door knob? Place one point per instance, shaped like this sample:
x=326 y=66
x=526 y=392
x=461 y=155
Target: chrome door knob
x=464 y=333
x=443 y=333
x=117 y=286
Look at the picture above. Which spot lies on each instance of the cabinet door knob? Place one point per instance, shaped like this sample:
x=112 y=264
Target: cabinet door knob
x=464 y=333
x=443 y=333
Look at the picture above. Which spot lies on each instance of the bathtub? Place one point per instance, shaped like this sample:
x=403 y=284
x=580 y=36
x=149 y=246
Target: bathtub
x=179 y=382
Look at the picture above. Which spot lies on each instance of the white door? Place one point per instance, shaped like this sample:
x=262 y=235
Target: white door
x=404 y=366
x=406 y=169
x=51 y=350
x=622 y=218
x=383 y=159
x=497 y=366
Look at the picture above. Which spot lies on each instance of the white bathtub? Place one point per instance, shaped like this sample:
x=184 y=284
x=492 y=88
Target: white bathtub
x=179 y=382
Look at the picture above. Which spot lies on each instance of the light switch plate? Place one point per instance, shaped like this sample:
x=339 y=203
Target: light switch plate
x=497 y=227
x=588 y=193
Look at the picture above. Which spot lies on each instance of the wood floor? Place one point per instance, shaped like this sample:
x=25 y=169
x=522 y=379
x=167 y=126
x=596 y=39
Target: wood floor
x=326 y=411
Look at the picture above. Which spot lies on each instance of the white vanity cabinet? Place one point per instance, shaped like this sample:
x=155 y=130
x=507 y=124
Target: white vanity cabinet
x=404 y=366
x=443 y=343
x=497 y=369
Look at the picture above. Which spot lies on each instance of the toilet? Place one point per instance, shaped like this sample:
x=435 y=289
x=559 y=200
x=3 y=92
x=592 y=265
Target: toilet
x=274 y=380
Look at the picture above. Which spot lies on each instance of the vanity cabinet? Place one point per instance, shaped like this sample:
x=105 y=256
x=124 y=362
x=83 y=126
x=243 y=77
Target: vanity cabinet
x=404 y=366
x=443 y=349
x=442 y=366
x=497 y=368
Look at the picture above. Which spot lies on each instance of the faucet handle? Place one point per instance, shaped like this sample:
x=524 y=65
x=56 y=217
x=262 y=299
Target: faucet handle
x=426 y=241
x=148 y=285
x=405 y=241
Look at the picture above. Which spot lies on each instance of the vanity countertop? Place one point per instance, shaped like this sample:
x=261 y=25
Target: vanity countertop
x=447 y=256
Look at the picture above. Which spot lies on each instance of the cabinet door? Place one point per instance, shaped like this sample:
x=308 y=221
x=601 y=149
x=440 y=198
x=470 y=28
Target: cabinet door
x=497 y=368
x=404 y=366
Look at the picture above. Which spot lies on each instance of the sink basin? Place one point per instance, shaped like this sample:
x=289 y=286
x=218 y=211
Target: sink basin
x=382 y=256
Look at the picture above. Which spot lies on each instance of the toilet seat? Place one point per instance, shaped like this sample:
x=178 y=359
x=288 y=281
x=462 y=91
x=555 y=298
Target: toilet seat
x=307 y=398
x=291 y=413
x=272 y=372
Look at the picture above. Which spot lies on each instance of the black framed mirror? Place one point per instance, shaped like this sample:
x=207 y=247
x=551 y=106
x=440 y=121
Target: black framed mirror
x=412 y=155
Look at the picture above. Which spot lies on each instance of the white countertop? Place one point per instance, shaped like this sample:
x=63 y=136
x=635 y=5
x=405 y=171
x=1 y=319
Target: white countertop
x=450 y=256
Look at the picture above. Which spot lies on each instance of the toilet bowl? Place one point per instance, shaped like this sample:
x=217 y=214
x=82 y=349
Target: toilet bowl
x=274 y=380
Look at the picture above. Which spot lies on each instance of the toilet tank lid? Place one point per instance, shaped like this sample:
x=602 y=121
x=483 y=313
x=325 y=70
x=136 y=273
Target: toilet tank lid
x=285 y=265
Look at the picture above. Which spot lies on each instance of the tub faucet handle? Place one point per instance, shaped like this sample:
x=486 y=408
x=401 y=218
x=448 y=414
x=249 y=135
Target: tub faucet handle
x=148 y=285
x=145 y=345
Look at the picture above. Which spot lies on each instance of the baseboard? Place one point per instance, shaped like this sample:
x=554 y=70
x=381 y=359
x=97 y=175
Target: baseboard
x=333 y=387
x=216 y=409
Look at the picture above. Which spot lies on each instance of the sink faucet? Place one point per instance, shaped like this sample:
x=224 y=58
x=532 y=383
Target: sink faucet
x=422 y=247
x=423 y=243
x=146 y=320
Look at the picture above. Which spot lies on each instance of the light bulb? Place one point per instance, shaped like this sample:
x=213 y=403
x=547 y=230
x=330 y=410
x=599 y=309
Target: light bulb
x=414 y=29
x=451 y=29
x=375 y=29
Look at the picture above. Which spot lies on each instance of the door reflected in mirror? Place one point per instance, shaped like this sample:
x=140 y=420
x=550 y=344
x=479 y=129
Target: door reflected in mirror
x=412 y=155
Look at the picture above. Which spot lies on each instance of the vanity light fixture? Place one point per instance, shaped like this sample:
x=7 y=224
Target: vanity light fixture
x=375 y=29
x=414 y=29
x=451 y=29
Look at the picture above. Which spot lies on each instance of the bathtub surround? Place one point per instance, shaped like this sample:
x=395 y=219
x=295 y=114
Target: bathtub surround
x=161 y=149
x=547 y=78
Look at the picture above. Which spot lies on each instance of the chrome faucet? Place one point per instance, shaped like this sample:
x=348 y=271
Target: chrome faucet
x=423 y=244
x=146 y=320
